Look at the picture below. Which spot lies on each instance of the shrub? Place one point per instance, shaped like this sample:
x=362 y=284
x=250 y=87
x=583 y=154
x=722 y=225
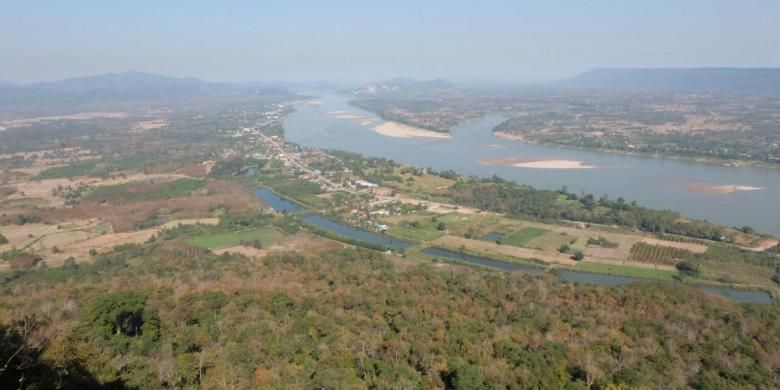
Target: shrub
x=688 y=268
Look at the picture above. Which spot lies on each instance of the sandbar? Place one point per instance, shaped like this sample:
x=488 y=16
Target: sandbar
x=398 y=130
x=720 y=189
x=538 y=164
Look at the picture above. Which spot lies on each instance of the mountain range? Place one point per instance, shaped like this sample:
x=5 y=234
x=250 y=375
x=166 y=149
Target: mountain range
x=126 y=86
x=703 y=80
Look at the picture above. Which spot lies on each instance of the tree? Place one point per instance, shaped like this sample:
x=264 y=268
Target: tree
x=441 y=227
x=688 y=268
x=564 y=249
x=3 y=240
x=578 y=255
x=119 y=314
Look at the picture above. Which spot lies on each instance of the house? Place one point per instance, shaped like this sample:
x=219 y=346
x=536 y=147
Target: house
x=367 y=184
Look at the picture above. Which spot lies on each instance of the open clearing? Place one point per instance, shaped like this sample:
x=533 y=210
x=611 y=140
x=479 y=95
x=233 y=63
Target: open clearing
x=487 y=247
x=302 y=241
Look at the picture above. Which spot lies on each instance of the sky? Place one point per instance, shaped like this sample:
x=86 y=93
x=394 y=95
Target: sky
x=518 y=41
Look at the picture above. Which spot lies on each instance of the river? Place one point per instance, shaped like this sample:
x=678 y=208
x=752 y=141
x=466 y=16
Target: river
x=654 y=182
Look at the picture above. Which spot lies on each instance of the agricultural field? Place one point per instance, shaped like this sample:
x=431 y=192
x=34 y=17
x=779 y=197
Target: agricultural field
x=201 y=203
x=523 y=236
x=636 y=272
x=657 y=254
x=266 y=237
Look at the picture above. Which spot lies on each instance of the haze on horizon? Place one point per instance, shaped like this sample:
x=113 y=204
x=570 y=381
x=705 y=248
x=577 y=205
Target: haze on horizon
x=351 y=40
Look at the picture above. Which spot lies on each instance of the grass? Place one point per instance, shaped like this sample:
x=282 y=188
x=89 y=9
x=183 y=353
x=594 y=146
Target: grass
x=426 y=184
x=266 y=236
x=422 y=230
x=523 y=236
x=552 y=241
x=301 y=190
x=82 y=168
x=644 y=273
x=175 y=188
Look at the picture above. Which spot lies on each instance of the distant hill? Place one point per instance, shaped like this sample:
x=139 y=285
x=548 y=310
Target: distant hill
x=404 y=86
x=126 y=86
x=721 y=80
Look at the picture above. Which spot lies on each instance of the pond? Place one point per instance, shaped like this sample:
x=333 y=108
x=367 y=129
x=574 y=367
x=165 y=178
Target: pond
x=483 y=261
x=494 y=236
x=276 y=202
x=355 y=233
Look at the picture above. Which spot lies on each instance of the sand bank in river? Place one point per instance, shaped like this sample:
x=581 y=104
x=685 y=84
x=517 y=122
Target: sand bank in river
x=720 y=189
x=538 y=164
x=509 y=136
x=363 y=120
x=389 y=128
x=395 y=129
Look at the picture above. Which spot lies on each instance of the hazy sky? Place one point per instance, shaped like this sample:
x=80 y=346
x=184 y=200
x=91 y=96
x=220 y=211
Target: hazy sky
x=306 y=40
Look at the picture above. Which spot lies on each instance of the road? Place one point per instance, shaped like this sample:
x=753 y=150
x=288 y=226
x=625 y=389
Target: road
x=279 y=147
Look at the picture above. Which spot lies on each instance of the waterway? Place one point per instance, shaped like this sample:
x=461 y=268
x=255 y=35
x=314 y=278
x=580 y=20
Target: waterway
x=654 y=182
x=736 y=295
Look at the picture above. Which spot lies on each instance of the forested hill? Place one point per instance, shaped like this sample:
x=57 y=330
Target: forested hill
x=763 y=81
x=165 y=315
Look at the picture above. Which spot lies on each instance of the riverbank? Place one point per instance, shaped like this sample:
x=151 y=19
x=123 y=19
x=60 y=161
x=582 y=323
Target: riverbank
x=701 y=160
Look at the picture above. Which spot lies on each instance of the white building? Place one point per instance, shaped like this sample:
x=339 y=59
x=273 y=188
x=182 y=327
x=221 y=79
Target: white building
x=368 y=184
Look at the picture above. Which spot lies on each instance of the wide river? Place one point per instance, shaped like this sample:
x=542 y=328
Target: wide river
x=653 y=182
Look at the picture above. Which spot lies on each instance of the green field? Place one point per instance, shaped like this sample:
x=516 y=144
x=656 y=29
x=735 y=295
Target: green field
x=421 y=230
x=301 y=190
x=644 y=273
x=552 y=241
x=180 y=187
x=82 y=168
x=523 y=236
x=94 y=168
x=267 y=236
x=144 y=191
